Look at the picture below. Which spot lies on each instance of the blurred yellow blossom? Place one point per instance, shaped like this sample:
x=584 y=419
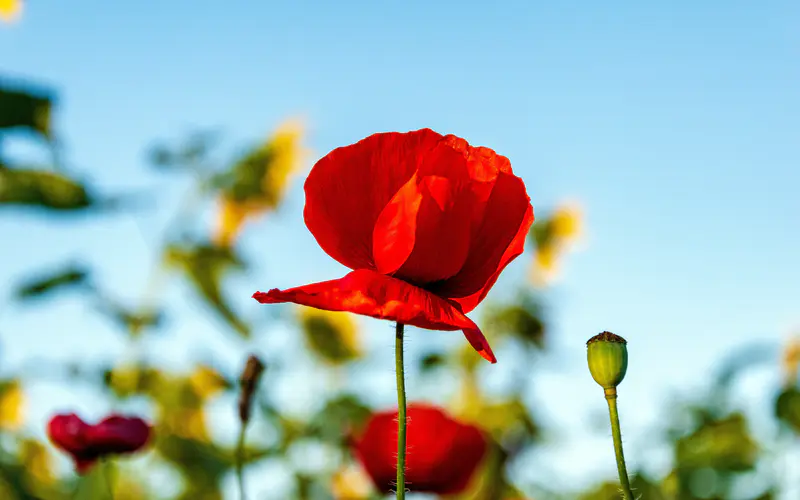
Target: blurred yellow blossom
x=259 y=180
x=37 y=461
x=188 y=423
x=207 y=382
x=350 y=483
x=791 y=360
x=331 y=335
x=566 y=222
x=12 y=405
x=552 y=236
x=10 y=10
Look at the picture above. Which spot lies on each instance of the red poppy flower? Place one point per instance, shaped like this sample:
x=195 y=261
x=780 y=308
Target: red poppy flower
x=88 y=443
x=441 y=453
x=427 y=223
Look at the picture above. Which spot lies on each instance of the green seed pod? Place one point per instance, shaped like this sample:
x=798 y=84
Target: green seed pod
x=608 y=359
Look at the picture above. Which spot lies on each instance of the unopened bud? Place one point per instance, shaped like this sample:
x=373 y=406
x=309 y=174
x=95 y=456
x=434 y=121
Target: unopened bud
x=608 y=359
x=248 y=382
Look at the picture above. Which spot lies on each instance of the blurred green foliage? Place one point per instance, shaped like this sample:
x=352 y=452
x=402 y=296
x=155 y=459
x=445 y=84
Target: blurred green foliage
x=715 y=454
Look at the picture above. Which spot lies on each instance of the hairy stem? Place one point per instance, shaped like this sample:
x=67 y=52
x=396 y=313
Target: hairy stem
x=240 y=461
x=401 y=412
x=611 y=398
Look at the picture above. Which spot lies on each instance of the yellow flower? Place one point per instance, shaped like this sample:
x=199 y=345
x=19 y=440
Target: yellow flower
x=38 y=462
x=553 y=236
x=260 y=181
x=545 y=267
x=350 y=483
x=791 y=360
x=188 y=423
x=10 y=10
x=288 y=154
x=331 y=335
x=12 y=406
x=207 y=382
x=566 y=223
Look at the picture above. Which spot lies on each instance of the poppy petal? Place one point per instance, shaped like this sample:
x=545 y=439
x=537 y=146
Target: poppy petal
x=68 y=432
x=443 y=224
x=394 y=234
x=498 y=240
x=118 y=434
x=348 y=188
x=372 y=294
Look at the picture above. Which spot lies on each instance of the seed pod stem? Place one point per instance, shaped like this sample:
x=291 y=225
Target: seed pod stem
x=616 y=434
x=608 y=362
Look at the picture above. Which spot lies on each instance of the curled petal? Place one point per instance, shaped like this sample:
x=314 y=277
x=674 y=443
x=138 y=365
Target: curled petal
x=499 y=239
x=372 y=294
x=348 y=188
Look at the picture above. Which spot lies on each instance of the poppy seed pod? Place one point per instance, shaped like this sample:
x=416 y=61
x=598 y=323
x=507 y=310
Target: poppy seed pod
x=608 y=359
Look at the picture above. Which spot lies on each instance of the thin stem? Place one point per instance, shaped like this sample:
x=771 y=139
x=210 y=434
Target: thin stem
x=240 y=461
x=401 y=412
x=611 y=397
x=107 y=473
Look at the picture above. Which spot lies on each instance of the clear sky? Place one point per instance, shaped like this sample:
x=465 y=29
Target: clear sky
x=675 y=126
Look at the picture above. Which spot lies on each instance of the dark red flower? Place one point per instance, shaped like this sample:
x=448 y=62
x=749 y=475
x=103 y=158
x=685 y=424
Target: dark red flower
x=426 y=222
x=88 y=443
x=441 y=453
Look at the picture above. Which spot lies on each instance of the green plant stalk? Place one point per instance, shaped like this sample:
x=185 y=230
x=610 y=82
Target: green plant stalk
x=106 y=465
x=611 y=398
x=240 y=461
x=401 y=412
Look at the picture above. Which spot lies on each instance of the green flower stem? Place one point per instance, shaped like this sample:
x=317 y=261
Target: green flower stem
x=240 y=461
x=611 y=397
x=401 y=412
x=106 y=466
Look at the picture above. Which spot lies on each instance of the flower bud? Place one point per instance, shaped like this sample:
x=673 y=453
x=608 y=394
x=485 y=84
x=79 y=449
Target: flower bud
x=608 y=359
x=248 y=382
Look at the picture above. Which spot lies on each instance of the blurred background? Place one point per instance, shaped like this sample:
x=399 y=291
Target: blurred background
x=152 y=156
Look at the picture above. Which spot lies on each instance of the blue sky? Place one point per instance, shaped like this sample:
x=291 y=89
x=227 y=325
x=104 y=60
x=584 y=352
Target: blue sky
x=674 y=125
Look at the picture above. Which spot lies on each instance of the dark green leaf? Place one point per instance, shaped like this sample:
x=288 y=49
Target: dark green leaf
x=338 y=417
x=787 y=408
x=43 y=189
x=522 y=320
x=63 y=279
x=432 y=361
x=724 y=444
x=26 y=110
x=205 y=266
x=133 y=322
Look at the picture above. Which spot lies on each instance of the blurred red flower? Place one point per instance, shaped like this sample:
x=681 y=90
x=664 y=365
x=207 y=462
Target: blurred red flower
x=442 y=453
x=88 y=443
x=427 y=223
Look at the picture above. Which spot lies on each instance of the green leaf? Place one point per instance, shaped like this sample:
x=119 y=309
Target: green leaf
x=642 y=487
x=522 y=320
x=133 y=322
x=787 y=408
x=723 y=444
x=432 y=361
x=66 y=278
x=338 y=417
x=331 y=335
x=42 y=189
x=26 y=110
x=510 y=421
x=205 y=265
x=190 y=155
